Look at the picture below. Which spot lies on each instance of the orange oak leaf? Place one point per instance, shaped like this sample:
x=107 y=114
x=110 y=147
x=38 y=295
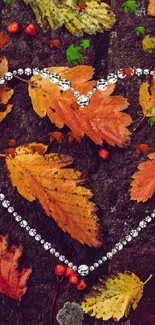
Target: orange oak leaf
x=103 y=119
x=142 y=148
x=5 y=92
x=12 y=281
x=58 y=189
x=151 y=8
x=3 y=39
x=143 y=185
x=58 y=136
x=147 y=98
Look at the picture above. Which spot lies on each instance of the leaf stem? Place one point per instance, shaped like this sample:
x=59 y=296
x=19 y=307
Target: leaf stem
x=54 y=298
x=139 y=123
x=24 y=80
x=151 y=275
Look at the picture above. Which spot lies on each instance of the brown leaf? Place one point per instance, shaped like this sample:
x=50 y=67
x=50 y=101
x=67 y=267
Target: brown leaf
x=12 y=281
x=58 y=189
x=3 y=39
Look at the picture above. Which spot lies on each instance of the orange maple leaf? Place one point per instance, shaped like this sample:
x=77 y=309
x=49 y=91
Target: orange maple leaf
x=142 y=148
x=102 y=120
x=5 y=92
x=151 y=8
x=58 y=189
x=3 y=39
x=12 y=281
x=58 y=136
x=128 y=72
x=143 y=185
x=55 y=43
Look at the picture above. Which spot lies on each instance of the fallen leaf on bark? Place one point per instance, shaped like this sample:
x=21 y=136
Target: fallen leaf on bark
x=58 y=189
x=5 y=92
x=148 y=43
x=103 y=119
x=147 y=98
x=114 y=296
x=151 y=8
x=3 y=39
x=142 y=148
x=12 y=281
x=58 y=136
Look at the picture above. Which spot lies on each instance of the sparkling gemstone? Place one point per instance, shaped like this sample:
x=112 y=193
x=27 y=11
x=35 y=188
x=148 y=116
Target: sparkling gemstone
x=2 y=196
x=54 y=77
x=28 y=228
x=83 y=270
x=45 y=73
x=146 y=71
x=121 y=74
x=47 y=246
x=83 y=101
x=124 y=242
x=142 y=224
x=94 y=89
x=100 y=262
x=18 y=218
x=66 y=261
x=20 y=71
x=114 y=251
x=11 y=209
x=61 y=258
x=104 y=258
x=101 y=84
x=64 y=84
x=139 y=72
x=70 y=264
x=138 y=229
x=28 y=71
x=37 y=237
x=90 y=94
x=14 y=72
x=91 y=268
x=36 y=71
x=112 y=78
x=6 y=203
x=148 y=219
x=134 y=233
x=74 y=268
x=128 y=238
x=72 y=90
x=109 y=255
x=8 y=76
x=96 y=265
x=52 y=250
x=119 y=246
x=57 y=254
x=23 y=223
x=76 y=93
x=32 y=232
x=153 y=215
x=42 y=241
x=2 y=80
x=15 y=214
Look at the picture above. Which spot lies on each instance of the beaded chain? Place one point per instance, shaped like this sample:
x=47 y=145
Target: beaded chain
x=82 y=269
x=65 y=84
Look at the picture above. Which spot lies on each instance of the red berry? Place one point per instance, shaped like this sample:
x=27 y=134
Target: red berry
x=13 y=28
x=31 y=30
x=69 y=272
x=81 y=285
x=103 y=153
x=60 y=269
x=73 y=279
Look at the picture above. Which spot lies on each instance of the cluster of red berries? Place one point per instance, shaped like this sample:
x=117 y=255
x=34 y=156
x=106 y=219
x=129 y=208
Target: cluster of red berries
x=72 y=276
x=14 y=28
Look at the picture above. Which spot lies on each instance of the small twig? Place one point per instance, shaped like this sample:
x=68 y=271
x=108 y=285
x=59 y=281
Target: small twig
x=139 y=124
x=24 y=80
x=151 y=275
x=42 y=40
x=54 y=298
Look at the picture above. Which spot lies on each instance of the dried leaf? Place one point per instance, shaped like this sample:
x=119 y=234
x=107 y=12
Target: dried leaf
x=55 y=43
x=147 y=98
x=143 y=185
x=103 y=119
x=142 y=148
x=45 y=178
x=5 y=92
x=113 y=297
x=12 y=281
x=148 y=43
x=58 y=136
x=151 y=8
x=94 y=16
x=3 y=39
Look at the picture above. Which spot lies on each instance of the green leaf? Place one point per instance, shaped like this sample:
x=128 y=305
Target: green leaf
x=148 y=111
x=152 y=120
x=140 y=30
x=85 y=43
x=73 y=54
x=130 y=6
x=9 y=1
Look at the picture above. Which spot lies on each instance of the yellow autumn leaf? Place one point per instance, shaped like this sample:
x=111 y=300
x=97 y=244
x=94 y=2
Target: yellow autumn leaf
x=147 y=98
x=5 y=92
x=148 y=43
x=151 y=8
x=114 y=296
x=58 y=189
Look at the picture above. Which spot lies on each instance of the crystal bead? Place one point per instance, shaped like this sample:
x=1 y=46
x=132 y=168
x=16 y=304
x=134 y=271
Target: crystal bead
x=61 y=258
x=23 y=223
x=142 y=224
x=70 y=264
x=28 y=71
x=128 y=238
x=18 y=218
x=6 y=203
x=134 y=233
x=42 y=241
x=91 y=268
x=52 y=250
x=15 y=214
x=57 y=254
x=45 y=73
x=119 y=246
x=139 y=72
x=76 y=93
x=114 y=251
x=36 y=71
x=20 y=71
x=64 y=84
x=121 y=74
x=11 y=209
x=8 y=76
x=146 y=71
x=112 y=78
x=2 y=80
x=124 y=242
x=94 y=89
x=14 y=72
x=72 y=90
x=109 y=255
x=83 y=270
x=104 y=258
x=37 y=237
x=66 y=261
x=32 y=232
x=148 y=219
x=2 y=196
x=101 y=84
x=152 y=73
x=28 y=228
x=100 y=262
x=47 y=246
x=83 y=101
x=138 y=229
x=96 y=265
x=54 y=77
x=74 y=268
x=90 y=94
x=153 y=215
